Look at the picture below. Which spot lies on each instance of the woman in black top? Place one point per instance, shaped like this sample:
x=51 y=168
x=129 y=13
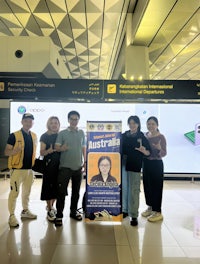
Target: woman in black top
x=52 y=158
x=134 y=147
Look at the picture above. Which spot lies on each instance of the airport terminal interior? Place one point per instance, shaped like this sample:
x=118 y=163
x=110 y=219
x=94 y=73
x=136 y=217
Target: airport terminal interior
x=131 y=40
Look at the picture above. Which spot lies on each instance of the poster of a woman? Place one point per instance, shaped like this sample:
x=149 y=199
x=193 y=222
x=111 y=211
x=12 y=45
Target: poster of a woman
x=104 y=175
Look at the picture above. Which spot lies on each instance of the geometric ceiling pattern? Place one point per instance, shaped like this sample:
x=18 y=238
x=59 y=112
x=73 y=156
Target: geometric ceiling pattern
x=90 y=34
x=87 y=33
x=172 y=33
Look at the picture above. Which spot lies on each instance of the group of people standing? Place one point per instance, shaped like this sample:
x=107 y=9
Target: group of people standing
x=65 y=153
x=142 y=152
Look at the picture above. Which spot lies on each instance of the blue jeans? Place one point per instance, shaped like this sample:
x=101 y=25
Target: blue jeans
x=130 y=192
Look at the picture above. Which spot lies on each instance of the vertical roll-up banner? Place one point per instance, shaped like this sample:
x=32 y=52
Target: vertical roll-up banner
x=103 y=181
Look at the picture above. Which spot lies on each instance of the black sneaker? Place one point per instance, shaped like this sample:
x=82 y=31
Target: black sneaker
x=58 y=222
x=134 y=221
x=125 y=215
x=76 y=216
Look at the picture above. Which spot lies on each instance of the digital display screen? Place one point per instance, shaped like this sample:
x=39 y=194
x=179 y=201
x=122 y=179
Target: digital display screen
x=175 y=122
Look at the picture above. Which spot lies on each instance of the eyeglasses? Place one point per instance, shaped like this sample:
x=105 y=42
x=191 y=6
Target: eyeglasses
x=104 y=165
x=74 y=119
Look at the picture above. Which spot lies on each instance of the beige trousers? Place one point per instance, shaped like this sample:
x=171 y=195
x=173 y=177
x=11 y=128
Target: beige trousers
x=18 y=177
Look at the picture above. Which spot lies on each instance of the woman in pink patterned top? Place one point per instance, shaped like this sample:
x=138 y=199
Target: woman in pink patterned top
x=153 y=172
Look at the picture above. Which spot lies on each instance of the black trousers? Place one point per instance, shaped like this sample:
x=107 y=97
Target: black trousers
x=64 y=176
x=153 y=183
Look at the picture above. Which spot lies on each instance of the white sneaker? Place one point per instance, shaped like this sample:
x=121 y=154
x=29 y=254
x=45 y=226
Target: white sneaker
x=13 y=221
x=53 y=208
x=156 y=216
x=147 y=212
x=28 y=214
x=51 y=215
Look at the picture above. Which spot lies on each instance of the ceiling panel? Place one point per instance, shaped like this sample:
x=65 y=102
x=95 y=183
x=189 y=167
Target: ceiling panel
x=176 y=41
x=89 y=34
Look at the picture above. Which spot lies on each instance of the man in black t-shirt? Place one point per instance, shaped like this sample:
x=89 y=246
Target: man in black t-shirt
x=21 y=149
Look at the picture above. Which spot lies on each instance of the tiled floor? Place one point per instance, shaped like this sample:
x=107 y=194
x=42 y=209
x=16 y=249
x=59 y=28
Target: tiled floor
x=171 y=241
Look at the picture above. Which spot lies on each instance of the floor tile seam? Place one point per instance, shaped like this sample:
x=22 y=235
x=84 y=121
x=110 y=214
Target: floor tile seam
x=185 y=253
x=178 y=244
x=116 y=242
x=131 y=255
x=118 y=253
x=129 y=245
x=85 y=244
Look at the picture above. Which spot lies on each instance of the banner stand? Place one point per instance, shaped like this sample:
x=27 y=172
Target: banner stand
x=103 y=181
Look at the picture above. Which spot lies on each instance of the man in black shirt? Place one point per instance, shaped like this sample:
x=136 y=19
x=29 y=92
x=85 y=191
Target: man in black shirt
x=21 y=149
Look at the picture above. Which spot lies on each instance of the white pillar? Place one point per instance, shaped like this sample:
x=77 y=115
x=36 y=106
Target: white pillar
x=136 y=57
x=137 y=63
